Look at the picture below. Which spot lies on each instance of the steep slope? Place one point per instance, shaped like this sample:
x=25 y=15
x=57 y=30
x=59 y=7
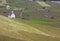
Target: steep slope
x=33 y=10
x=11 y=30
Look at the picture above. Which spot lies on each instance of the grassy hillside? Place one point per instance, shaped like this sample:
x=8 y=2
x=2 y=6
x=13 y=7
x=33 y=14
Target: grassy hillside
x=33 y=26
x=11 y=30
x=51 y=27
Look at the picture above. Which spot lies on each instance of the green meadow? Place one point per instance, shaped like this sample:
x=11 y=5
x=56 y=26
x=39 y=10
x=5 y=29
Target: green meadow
x=42 y=21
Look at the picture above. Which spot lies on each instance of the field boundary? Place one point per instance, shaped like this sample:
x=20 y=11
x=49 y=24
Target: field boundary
x=43 y=4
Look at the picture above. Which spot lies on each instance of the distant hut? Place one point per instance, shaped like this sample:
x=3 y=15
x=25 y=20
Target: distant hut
x=11 y=15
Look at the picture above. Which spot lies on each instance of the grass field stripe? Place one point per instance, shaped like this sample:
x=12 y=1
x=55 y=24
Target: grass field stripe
x=4 y=2
x=43 y=4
